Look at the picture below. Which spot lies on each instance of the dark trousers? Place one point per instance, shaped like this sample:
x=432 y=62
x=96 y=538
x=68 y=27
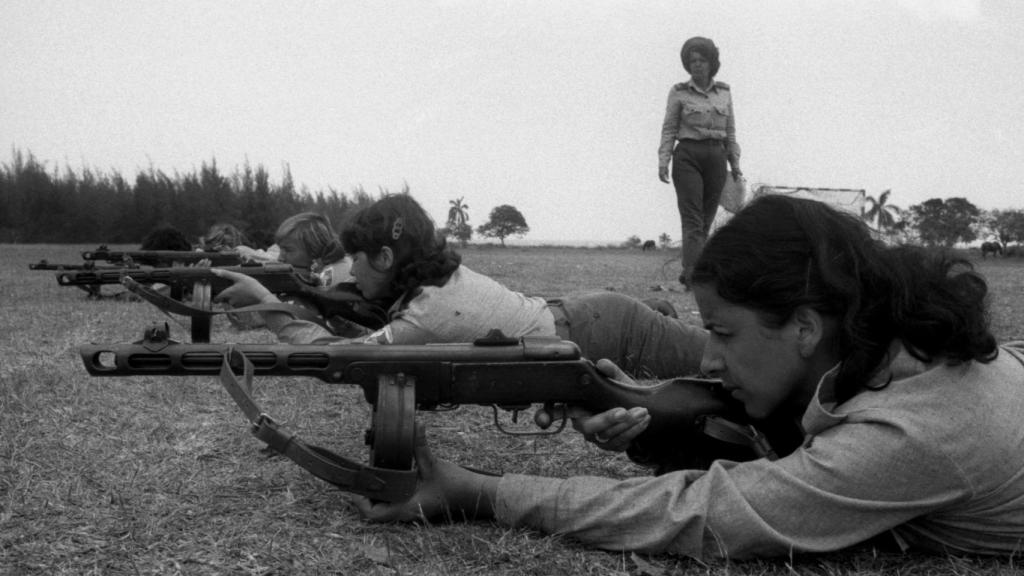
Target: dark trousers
x=698 y=174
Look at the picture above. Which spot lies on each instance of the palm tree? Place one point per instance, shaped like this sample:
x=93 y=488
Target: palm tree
x=458 y=221
x=880 y=213
x=458 y=213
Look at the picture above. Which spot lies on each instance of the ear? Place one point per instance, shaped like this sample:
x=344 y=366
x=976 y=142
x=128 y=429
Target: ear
x=810 y=327
x=385 y=260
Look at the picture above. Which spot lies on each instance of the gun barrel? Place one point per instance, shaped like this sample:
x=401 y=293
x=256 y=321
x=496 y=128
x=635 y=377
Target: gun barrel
x=162 y=257
x=352 y=363
x=276 y=277
x=88 y=265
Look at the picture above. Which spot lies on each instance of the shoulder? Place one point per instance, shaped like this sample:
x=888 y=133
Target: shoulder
x=721 y=85
x=680 y=87
x=472 y=281
x=458 y=283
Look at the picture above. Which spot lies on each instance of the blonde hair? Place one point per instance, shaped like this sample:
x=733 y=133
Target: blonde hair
x=316 y=235
x=223 y=236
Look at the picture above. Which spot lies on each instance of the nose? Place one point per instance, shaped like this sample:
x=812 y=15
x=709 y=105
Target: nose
x=710 y=362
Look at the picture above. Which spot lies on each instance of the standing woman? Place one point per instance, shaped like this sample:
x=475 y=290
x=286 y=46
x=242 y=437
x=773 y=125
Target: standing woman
x=698 y=136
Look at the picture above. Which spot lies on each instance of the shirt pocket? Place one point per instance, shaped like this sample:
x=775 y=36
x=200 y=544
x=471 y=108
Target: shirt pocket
x=719 y=116
x=698 y=115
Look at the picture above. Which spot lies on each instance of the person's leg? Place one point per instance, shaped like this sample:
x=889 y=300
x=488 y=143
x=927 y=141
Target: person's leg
x=713 y=167
x=640 y=340
x=689 y=185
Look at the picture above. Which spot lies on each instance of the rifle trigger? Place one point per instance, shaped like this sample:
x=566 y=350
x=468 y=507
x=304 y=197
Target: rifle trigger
x=515 y=413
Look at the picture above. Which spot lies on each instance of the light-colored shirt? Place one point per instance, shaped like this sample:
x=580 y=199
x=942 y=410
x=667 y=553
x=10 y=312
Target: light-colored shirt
x=334 y=273
x=262 y=256
x=693 y=114
x=466 y=307
x=936 y=457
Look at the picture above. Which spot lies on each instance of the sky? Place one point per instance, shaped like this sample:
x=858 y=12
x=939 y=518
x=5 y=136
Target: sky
x=554 y=107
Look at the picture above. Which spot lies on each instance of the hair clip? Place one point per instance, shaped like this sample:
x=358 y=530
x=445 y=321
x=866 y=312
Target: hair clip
x=396 y=229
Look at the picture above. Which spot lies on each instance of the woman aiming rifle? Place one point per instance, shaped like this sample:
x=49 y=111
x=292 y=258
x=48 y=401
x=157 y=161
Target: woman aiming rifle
x=910 y=409
x=397 y=256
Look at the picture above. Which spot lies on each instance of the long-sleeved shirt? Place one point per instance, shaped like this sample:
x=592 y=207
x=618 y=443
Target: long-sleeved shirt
x=692 y=113
x=465 y=308
x=936 y=457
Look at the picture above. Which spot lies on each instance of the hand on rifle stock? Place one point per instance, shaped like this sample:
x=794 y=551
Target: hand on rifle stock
x=614 y=429
x=245 y=291
x=446 y=491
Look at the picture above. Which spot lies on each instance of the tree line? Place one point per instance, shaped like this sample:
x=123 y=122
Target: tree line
x=943 y=222
x=60 y=206
x=936 y=222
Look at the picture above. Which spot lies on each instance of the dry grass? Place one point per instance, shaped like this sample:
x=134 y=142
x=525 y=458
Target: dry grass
x=159 y=475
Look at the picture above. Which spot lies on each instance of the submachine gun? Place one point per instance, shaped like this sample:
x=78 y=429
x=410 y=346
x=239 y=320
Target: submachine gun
x=201 y=284
x=116 y=259
x=506 y=374
x=160 y=258
x=45 y=264
x=102 y=258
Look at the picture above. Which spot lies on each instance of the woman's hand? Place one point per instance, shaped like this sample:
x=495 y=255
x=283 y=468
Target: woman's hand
x=445 y=491
x=663 y=174
x=613 y=429
x=244 y=291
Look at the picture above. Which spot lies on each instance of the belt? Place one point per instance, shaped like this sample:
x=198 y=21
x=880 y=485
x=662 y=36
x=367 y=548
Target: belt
x=706 y=141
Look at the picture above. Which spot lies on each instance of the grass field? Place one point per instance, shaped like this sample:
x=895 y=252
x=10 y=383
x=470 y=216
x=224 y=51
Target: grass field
x=160 y=475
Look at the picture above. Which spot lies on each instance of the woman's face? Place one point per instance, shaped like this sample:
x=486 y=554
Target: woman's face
x=294 y=253
x=765 y=368
x=372 y=275
x=700 y=68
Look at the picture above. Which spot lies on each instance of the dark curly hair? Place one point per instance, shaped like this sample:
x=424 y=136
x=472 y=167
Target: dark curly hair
x=780 y=253
x=422 y=256
x=703 y=46
x=165 y=238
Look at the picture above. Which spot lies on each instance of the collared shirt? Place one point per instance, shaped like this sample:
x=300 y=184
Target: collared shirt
x=692 y=113
x=936 y=457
